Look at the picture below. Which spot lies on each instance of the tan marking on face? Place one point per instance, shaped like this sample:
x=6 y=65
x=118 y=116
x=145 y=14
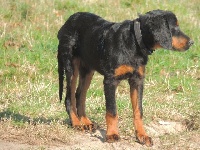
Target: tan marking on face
x=179 y=43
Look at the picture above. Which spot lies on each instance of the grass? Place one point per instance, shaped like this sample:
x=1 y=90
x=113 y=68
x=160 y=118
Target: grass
x=28 y=72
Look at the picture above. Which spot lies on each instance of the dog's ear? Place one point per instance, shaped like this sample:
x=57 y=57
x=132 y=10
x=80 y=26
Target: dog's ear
x=161 y=31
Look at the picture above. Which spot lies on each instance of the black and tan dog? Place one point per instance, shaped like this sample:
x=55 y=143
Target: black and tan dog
x=118 y=51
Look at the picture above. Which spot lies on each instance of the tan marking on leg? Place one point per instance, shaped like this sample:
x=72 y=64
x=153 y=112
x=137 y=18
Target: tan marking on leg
x=138 y=123
x=75 y=120
x=112 y=133
x=85 y=121
x=73 y=111
x=87 y=124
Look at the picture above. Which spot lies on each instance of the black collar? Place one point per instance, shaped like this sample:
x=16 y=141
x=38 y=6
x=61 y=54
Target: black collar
x=145 y=51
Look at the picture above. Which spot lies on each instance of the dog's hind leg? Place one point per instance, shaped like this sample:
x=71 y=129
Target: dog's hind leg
x=70 y=100
x=85 y=77
x=68 y=64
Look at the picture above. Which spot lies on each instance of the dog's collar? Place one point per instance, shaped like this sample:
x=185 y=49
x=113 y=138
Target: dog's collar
x=145 y=51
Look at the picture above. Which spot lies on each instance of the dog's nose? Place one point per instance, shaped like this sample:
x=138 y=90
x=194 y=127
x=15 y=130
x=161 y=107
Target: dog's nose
x=191 y=43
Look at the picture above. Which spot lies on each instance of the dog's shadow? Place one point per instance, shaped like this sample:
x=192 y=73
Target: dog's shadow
x=99 y=134
x=8 y=114
x=17 y=117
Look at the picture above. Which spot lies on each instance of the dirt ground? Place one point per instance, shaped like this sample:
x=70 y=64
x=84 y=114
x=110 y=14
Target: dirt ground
x=95 y=141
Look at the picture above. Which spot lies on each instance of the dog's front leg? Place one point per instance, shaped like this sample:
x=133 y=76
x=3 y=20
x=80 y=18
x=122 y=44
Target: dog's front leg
x=112 y=133
x=136 y=91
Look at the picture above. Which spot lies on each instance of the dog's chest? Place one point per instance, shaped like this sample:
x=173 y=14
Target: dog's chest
x=123 y=70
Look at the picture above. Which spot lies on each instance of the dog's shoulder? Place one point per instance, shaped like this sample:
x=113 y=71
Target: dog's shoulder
x=121 y=35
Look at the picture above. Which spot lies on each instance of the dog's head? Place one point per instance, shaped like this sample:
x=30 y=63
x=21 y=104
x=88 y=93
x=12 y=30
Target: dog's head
x=164 y=30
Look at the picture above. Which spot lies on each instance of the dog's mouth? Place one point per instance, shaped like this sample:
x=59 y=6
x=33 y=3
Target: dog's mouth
x=181 y=43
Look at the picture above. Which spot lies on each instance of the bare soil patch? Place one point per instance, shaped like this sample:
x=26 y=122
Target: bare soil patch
x=166 y=135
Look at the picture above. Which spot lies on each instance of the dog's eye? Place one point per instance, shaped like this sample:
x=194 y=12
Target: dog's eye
x=177 y=29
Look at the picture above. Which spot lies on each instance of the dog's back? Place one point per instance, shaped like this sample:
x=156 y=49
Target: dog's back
x=81 y=22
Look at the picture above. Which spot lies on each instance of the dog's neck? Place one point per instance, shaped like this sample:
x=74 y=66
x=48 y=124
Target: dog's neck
x=145 y=51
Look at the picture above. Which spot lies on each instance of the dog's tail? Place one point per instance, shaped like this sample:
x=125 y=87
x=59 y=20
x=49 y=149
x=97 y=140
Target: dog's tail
x=61 y=65
x=67 y=40
x=61 y=76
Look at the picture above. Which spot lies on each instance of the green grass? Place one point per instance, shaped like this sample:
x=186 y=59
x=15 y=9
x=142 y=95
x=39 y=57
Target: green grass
x=28 y=64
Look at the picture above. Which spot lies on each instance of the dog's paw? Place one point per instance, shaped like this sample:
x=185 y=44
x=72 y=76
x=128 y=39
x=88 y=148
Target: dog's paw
x=112 y=138
x=76 y=124
x=144 y=140
x=91 y=127
x=87 y=124
x=78 y=127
